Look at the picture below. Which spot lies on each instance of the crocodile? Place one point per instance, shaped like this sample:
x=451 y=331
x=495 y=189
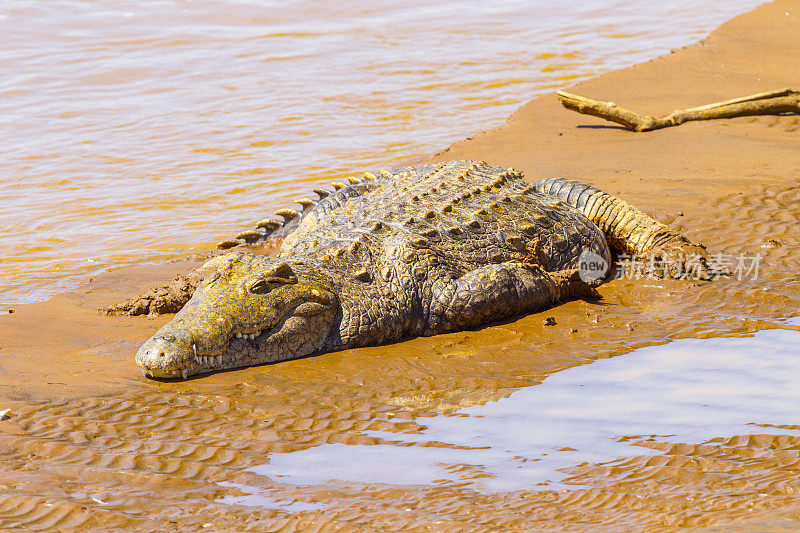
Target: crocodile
x=415 y=251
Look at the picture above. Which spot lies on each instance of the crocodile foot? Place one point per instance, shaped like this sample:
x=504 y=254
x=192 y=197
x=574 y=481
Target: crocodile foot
x=161 y=300
x=683 y=260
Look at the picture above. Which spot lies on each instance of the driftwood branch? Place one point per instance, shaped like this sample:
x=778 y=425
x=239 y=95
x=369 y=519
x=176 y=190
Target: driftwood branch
x=768 y=103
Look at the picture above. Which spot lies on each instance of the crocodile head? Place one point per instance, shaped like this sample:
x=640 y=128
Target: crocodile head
x=252 y=310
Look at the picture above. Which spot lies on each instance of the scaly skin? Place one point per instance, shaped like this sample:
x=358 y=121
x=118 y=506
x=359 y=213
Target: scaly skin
x=414 y=252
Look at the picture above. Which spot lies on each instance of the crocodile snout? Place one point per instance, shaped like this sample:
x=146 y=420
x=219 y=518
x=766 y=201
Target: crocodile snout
x=165 y=356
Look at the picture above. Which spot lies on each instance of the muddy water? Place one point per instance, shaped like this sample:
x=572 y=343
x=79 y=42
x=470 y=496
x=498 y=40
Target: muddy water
x=144 y=129
x=689 y=390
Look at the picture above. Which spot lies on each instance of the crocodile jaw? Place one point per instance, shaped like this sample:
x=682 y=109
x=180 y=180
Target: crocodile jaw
x=253 y=310
x=299 y=333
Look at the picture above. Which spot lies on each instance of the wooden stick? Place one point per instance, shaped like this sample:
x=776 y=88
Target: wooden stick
x=767 y=103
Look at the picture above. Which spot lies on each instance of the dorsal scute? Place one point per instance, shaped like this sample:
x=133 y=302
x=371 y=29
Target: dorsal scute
x=443 y=198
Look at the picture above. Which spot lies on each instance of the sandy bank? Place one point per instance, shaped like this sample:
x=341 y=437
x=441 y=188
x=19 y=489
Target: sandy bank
x=696 y=170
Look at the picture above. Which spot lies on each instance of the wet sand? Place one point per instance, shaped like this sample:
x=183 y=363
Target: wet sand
x=89 y=442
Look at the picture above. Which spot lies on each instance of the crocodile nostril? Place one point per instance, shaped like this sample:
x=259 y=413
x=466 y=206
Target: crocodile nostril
x=160 y=354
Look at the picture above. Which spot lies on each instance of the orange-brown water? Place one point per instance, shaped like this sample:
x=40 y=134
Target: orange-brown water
x=137 y=131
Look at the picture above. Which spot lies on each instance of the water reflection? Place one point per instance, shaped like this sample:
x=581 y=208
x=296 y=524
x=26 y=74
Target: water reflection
x=252 y=496
x=686 y=391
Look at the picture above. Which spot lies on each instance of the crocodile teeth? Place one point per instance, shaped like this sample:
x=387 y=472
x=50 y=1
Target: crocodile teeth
x=238 y=335
x=258 y=333
x=184 y=373
x=205 y=359
x=219 y=360
x=252 y=336
x=194 y=350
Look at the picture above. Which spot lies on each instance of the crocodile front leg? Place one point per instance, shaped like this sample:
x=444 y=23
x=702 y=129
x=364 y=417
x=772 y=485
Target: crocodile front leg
x=169 y=298
x=494 y=292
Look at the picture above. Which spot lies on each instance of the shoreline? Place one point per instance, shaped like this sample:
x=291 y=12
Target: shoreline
x=730 y=184
x=89 y=191
x=661 y=172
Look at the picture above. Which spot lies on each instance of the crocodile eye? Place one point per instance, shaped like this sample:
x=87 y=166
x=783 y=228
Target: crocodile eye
x=276 y=275
x=264 y=285
x=261 y=286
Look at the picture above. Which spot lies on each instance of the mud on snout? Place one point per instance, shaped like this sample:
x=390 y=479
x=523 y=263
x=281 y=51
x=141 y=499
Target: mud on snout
x=251 y=311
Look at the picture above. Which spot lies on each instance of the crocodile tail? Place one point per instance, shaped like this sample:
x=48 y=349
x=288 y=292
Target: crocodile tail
x=290 y=219
x=628 y=230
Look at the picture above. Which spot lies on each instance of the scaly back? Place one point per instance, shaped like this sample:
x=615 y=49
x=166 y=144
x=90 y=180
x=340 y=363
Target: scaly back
x=469 y=213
